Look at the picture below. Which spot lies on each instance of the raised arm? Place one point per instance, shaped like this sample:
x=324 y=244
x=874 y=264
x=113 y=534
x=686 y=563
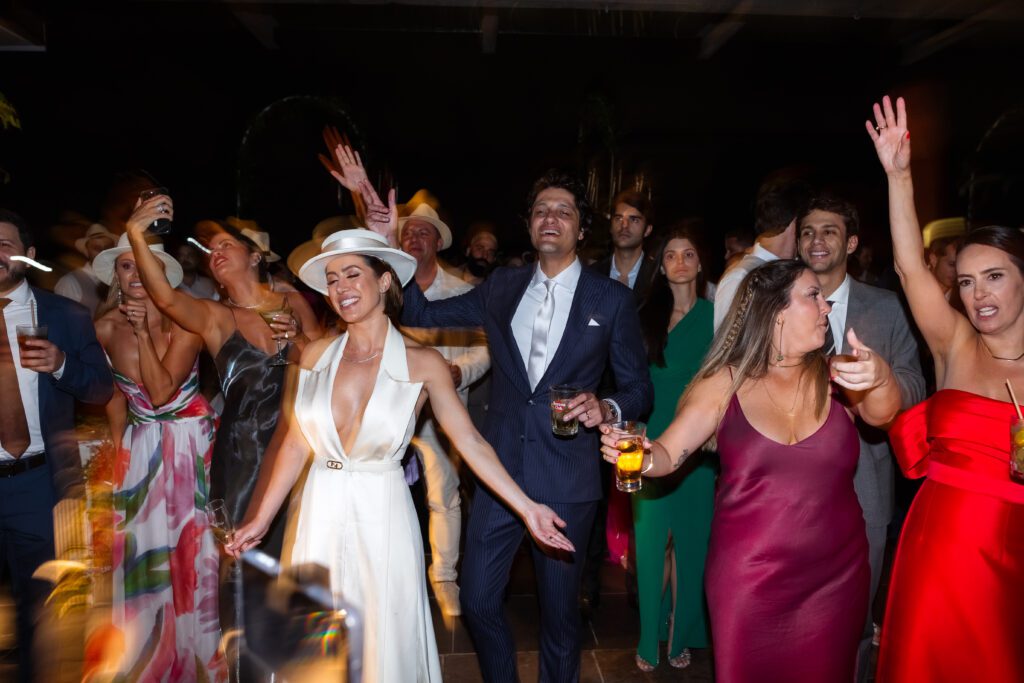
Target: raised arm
x=938 y=322
x=542 y=522
x=696 y=420
x=345 y=165
x=198 y=316
x=162 y=377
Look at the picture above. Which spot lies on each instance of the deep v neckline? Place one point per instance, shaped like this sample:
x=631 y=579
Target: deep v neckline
x=373 y=394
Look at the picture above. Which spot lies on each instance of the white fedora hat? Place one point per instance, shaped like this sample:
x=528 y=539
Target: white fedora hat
x=103 y=264
x=425 y=212
x=95 y=230
x=251 y=229
x=358 y=241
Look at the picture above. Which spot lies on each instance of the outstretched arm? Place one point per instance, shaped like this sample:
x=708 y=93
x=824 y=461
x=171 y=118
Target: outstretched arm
x=198 y=316
x=344 y=164
x=695 y=422
x=542 y=522
x=938 y=322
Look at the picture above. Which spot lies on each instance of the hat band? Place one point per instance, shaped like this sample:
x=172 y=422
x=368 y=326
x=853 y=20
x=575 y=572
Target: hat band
x=352 y=244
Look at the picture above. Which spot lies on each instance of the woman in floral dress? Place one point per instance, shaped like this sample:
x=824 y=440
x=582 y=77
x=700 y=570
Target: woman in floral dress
x=164 y=557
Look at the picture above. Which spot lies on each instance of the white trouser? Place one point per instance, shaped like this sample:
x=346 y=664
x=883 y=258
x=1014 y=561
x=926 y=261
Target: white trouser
x=442 y=482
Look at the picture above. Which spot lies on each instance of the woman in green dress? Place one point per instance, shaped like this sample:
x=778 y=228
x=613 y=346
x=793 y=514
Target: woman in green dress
x=674 y=512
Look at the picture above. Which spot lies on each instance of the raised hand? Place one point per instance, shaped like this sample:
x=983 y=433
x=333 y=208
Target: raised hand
x=867 y=371
x=890 y=135
x=381 y=219
x=544 y=526
x=160 y=206
x=346 y=165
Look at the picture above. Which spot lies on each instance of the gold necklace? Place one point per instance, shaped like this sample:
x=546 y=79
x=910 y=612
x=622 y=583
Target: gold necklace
x=796 y=395
x=362 y=360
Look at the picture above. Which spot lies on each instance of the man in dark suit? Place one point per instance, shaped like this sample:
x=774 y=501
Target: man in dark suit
x=629 y=263
x=550 y=323
x=826 y=236
x=39 y=460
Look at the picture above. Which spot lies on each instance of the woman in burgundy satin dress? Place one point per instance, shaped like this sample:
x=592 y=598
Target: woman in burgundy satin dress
x=956 y=598
x=787 y=573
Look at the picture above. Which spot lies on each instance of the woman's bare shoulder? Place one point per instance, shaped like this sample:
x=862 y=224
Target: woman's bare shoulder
x=311 y=354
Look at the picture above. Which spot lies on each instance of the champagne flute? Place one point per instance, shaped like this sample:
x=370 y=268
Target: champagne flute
x=281 y=357
x=220 y=521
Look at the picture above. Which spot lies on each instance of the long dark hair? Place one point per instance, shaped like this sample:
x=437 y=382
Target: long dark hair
x=1008 y=240
x=393 y=297
x=656 y=309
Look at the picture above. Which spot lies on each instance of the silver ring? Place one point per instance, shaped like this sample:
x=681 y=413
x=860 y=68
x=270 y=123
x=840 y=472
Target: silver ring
x=879 y=129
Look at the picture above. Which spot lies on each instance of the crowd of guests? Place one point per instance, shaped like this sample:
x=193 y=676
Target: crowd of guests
x=774 y=400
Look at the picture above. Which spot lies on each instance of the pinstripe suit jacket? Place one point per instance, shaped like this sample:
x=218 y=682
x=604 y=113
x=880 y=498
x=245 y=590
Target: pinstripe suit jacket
x=881 y=323
x=603 y=328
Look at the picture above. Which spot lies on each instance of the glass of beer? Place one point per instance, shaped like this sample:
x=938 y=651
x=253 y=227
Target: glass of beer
x=26 y=332
x=561 y=394
x=630 y=444
x=1017 y=451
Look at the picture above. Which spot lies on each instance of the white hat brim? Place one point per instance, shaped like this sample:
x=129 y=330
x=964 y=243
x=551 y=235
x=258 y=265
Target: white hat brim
x=314 y=271
x=103 y=264
x=442 y=229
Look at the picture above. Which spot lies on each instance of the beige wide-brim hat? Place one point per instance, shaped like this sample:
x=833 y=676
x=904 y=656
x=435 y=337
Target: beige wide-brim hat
x=425 y=212
x=358 y=241
x=95 y=230
x=103 y=264
x=251 y=229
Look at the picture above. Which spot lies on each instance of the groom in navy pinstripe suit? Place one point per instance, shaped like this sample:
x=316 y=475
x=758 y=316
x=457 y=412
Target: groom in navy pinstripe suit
x=553 y=323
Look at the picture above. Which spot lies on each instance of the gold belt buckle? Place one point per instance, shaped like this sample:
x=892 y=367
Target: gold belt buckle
x=335 y=465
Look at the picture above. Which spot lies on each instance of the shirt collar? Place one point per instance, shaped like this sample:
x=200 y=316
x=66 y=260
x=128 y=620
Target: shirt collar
x=842 y=294
x=762 y=253
x=21 y=294
x=633 y=272
x=568 y=278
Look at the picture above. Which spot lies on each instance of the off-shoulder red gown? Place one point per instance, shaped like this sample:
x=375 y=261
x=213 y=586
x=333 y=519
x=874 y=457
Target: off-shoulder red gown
x=955 y=610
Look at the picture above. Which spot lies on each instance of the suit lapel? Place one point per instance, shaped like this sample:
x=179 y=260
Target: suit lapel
x=854 y=313
x=507 y=301
x=584 y=301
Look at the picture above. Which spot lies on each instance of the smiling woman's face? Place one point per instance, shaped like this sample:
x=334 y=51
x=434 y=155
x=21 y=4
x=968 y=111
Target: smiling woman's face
x=353 y=288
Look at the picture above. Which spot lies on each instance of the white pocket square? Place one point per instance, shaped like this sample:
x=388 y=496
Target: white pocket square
x=593 y=323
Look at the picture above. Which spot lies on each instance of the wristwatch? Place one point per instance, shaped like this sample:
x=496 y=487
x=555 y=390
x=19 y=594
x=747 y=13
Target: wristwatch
x=613 y=408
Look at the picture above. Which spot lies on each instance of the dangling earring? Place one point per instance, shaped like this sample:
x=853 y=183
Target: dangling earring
x=779 y=357
x=120 y=298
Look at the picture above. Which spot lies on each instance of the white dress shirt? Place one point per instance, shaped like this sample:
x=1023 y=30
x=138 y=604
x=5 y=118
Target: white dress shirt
x=19 y=312
x=837 y=318
x=563 y=291
x=633 y=272
x=730 y=282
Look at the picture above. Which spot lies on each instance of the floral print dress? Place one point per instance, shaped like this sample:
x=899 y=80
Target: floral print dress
x=165 y=558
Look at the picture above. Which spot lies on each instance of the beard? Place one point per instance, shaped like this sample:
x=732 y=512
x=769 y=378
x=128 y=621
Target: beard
x=479 y=267
x=12 y=275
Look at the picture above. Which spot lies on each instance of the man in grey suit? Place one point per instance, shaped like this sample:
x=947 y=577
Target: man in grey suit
x=826 y=236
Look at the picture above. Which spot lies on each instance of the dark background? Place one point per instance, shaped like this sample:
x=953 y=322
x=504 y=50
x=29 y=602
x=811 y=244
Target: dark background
x=223 y=102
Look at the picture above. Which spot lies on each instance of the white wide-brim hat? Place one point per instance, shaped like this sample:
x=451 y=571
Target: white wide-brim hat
x=103 y=264
x=425 y=212
x=358 y=241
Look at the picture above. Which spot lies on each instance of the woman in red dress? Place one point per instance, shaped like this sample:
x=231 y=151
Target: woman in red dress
x=956 y=604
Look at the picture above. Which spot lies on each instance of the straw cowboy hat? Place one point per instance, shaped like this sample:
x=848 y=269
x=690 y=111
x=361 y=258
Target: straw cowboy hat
x=95 y=230
x=358 y=241
x=426 y=213
x=103 y=264
x=310 y=248
x=251 y=229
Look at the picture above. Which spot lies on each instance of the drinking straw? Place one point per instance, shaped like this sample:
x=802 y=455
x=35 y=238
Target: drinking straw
x=31 y=262
x=1014 y=397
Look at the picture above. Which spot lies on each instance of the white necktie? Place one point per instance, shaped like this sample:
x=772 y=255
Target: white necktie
x=539 y=342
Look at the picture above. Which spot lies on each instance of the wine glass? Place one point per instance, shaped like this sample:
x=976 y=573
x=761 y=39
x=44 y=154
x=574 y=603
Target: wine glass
x=161 y=226
x=281 y=357
x=220 y=521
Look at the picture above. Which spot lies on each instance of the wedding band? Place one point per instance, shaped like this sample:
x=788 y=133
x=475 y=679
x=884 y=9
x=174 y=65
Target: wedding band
x=879 y=129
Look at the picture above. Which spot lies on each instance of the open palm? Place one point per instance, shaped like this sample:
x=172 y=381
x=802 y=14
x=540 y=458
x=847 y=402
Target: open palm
x=890 y=135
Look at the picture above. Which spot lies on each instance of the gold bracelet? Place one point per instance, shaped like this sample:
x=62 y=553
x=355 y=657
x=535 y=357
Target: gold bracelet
x=645 y=470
